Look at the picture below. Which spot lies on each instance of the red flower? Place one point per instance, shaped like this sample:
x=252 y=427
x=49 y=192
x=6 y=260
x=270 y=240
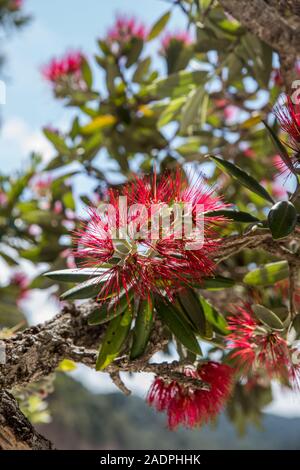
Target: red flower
x=140 y=254
x=15 y=5
x=41 y=184
x=181 y=37
x=190 y=406
x=58 y=69
x=255 y=348
x=125 y=29
x=288 y=116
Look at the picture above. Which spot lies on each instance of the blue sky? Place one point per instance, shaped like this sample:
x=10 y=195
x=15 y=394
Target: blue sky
x=58 y=25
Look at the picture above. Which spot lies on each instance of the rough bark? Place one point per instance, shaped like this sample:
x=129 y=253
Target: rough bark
x=16 y=432
x=265 y=20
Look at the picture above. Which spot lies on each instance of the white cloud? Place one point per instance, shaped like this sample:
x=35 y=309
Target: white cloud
x=16 y=132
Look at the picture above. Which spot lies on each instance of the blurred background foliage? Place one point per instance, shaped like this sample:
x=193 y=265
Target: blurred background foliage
x=165 y=98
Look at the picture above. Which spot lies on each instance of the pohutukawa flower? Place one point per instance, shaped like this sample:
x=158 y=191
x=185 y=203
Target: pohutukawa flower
x=180 y=37
x=288 y=116
x=15 y=5
x=187 y=405
x=146 y=247
x=124 y=30
x=41 y=185
x=256 y=349
x=61 y=69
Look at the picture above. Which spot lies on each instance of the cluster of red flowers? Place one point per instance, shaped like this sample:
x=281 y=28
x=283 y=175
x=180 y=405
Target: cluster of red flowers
x=125 y=29
x=138 y=260
x=288 y=116
x=181 y=37
x=188 y=405
x=15 y=5
x=58 y=69
x=256 y=348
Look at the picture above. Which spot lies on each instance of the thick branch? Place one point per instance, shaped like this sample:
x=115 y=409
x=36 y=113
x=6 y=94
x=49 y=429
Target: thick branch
x=16 y=432
x=268 y=23
x=36 y=352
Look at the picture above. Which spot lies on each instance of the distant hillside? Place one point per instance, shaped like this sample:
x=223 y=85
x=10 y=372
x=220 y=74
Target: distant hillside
x=82 y=420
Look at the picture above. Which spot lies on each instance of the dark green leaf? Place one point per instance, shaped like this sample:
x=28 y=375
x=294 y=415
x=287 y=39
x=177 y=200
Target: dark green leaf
x=217 y=282
x=192 y=308
x=280 y=147
x=75 y=275
x=267 y=317
x=244 y=178
x=142 y=328
x=178 y=326
x=237 y=216
x=115 y=336
x=109 y=310
x=86 y=290
x=214 y=317
x=282 y=219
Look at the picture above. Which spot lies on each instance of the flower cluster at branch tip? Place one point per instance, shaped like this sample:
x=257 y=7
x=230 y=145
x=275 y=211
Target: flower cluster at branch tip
x=137 y=260
x=256 y=348
x=15 y=5
x=67 y=66
x=125 y=29
x=288 y=116
x=188 y=405
x=180 y=37
x=41 y=184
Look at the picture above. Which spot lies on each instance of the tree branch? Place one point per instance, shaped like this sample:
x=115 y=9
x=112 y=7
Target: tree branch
x=16 y=432
x=268 y=23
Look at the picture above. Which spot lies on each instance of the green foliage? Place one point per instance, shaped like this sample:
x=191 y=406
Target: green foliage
x=171 y=115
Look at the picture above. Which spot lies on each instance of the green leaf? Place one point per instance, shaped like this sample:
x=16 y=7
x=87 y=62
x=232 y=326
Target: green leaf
x=75 y=275
x=115 y=336
x=214 y=317
x=142 y=328
x=192 y=308
x=217 y=282
x=177 y=84
x=237 y=216
x=136 y=47
x=282 y=219
x=280 y=148
x=141 y=70
x=57 y=141
x=86 y=290
x=244 y=178
x=110 y=310
x=178 y=326
x=192 y=108
x=267 y=317
x=87 y=73
x=268 y=274
x=158 y=27
x=171 y=110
